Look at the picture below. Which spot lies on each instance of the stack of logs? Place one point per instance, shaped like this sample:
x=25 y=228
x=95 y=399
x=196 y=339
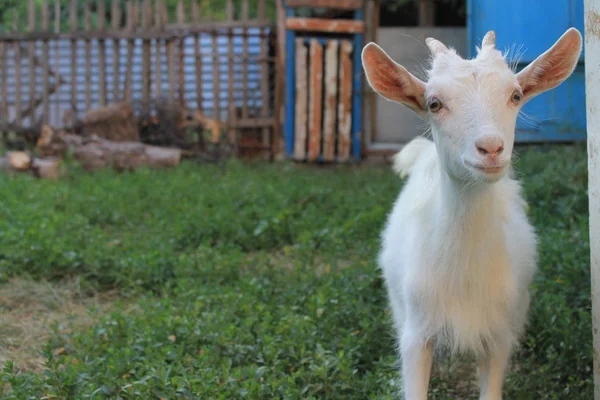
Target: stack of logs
x=105 y=137
x=20 y=161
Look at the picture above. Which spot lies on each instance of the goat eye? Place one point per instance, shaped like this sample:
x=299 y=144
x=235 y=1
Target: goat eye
x=435 y=105
x=516 y=97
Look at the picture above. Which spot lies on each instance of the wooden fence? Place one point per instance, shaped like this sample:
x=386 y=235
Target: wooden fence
x=224 y=69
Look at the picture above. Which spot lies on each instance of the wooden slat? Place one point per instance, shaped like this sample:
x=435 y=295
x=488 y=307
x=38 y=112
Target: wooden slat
x=345 y=101
x=87 y=24
x=197 y=55
x=301 y=104
x=279 y=104
x=245 y=88
x=73 y=27
x=253 y=122
x=116 y=24
x=325 y=25
x=426 y=13
x=101 y=52
x=315 y=100
x=331 y=85
x=216 y=87
x=170 y=31
x=57 y=46
x=3 y=85
x=231 y=114
x=264 y=81
x=372 y=103
x=131 y=8
x=18 y=61
x=335 y=4
x=146 y=61
x=45 y=62
x=158 y=24
x=32 y=94
x=181 y=20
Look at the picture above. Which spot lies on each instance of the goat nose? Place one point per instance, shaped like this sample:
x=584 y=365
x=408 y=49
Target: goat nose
x=489 y=146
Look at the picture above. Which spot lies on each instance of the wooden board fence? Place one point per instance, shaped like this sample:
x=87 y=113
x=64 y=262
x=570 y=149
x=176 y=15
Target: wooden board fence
x=323 y=100
x=136 y=51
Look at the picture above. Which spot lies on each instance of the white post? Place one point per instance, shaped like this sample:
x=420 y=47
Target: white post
x=592 y=88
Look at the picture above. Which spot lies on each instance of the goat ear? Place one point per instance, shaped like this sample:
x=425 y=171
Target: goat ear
x=393 y=81
x=552 y=67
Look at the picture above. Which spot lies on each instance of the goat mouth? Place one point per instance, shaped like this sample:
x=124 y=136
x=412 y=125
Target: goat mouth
x=487 y=169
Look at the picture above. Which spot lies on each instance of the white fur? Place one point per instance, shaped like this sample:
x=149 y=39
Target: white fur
x=458 y=253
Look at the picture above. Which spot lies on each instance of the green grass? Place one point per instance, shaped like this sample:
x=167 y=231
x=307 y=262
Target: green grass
x=258 y=281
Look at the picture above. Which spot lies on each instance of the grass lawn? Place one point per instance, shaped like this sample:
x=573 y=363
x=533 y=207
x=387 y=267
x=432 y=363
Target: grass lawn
x=254 y=281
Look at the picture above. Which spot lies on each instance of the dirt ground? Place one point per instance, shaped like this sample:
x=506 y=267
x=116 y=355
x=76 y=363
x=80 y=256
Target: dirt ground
x=31 y=311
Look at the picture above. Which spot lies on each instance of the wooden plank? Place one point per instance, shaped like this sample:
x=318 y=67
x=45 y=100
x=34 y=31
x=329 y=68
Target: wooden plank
x=116 y=24
x=181 y=53
x=301 y=103
x=170 y=31
x=253 y=122
x=426 y=13
x=216 y=86
x=101 y=16
x=32 y=94
x=335 y=4
x=45 y=66
x=331 y=86
x=197 y=56
x=592 y=84
x=170 y=57
x=3 y=84
x=87 y=25
x=56 y=48
x=146 y=61
x=245 y=88
x=158 y=23
x=264 y=81
x=372 y=104
x=315 y=100
x=129 y=66
x=345 y=102
x=280 y=67
x=171 y=69
x=231 y=114
x=325 y=25
x=18 y=88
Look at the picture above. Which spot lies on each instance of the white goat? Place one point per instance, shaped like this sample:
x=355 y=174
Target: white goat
x=458 y=253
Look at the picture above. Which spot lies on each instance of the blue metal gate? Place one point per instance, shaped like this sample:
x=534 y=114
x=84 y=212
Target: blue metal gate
x=557 y=115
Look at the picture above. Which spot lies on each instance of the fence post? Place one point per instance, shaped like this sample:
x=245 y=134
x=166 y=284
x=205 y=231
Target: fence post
x=592 y=84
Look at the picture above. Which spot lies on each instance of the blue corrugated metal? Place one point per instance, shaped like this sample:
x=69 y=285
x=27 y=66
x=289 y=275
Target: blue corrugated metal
x=535 y=26
x=63 y=96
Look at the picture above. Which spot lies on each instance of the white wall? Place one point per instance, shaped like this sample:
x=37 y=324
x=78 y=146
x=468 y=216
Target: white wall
x=406 y=45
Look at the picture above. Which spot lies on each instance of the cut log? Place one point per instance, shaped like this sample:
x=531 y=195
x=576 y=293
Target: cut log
x=19 y=160
x=47 y=168
x=94 y=152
